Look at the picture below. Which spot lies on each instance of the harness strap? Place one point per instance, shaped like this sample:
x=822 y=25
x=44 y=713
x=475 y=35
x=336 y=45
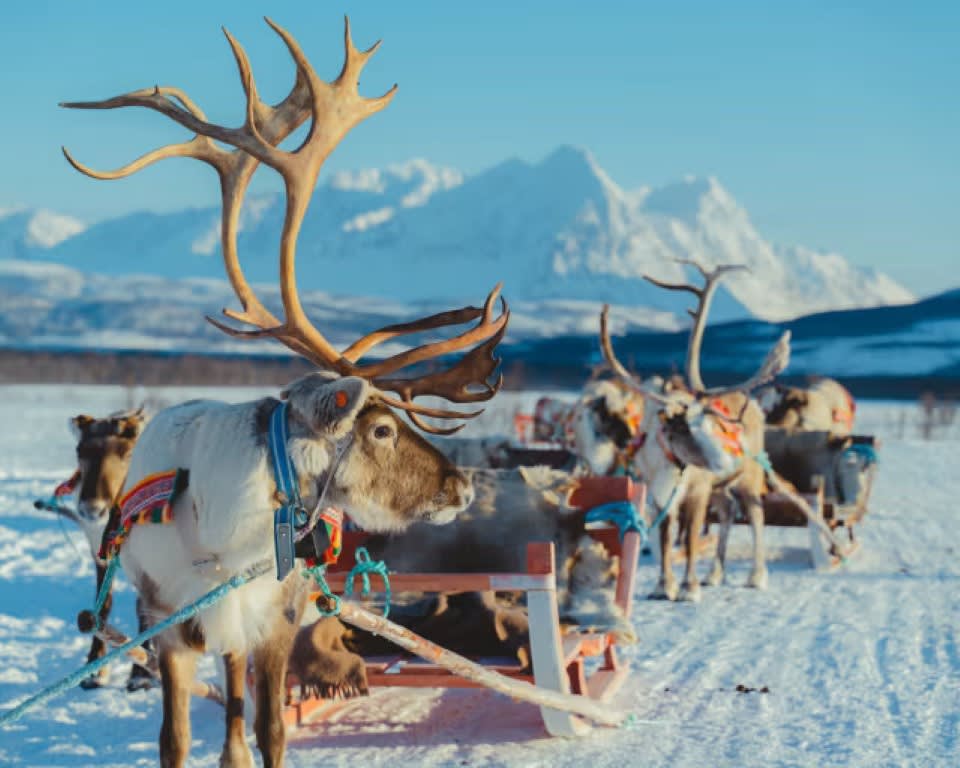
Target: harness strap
x=68 y=486
x=291 y=521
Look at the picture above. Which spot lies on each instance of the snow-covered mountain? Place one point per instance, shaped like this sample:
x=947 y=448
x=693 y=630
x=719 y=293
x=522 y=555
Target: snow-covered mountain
x=25 y=232
x=560 y=229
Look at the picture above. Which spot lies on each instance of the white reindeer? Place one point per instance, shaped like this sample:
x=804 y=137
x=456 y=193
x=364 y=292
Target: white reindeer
x=826 y=405
x=698 y=440
x=347 y=446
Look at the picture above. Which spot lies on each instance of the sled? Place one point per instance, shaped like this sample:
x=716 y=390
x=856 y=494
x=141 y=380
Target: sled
x=559 y=660
x=782 y=511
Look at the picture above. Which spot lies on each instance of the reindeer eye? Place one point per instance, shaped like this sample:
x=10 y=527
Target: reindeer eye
x=382 y=432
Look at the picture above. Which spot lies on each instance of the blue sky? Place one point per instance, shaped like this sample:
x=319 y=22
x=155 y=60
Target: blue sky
x=836 y=124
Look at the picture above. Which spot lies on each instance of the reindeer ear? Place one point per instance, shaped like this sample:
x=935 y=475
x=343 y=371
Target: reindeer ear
x=328 y=404
x=80 y=424
x=130 y=427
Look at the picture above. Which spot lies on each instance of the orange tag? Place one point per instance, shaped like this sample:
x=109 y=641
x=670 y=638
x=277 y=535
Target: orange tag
x=341 y=398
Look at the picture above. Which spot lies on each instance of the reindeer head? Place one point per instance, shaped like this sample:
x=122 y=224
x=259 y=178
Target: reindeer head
x=392 y=475
x=103 y=455
x=696 y=424
x=389 y=476
x=608 y=417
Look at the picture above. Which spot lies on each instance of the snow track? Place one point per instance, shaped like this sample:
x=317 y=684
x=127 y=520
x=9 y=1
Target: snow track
x=862 y=665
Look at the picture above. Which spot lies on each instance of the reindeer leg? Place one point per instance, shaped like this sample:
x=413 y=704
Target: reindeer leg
x=667 y=588
x=177 y=669
x=727 y=512
x=236 y=753
x=141 y=678
x=270 y=669
x=696 y=511
x=758 y=576
x=97 y=647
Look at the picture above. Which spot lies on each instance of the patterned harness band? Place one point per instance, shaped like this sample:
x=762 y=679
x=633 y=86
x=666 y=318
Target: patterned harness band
x=149 y=501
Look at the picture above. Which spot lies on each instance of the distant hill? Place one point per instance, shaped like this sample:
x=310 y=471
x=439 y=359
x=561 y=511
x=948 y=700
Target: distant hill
x=887 y=350
x=897 y=352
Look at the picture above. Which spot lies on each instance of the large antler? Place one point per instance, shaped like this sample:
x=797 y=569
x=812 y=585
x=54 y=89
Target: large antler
x=775 y=361
x=617 y=367
x=334 y=108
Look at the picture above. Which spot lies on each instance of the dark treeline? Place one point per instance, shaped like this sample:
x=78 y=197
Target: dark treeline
x=144 y=368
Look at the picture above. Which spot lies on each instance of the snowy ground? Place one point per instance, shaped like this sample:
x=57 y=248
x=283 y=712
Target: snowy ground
x=863 y=665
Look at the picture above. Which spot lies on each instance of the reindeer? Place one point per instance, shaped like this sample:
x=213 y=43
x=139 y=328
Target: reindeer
x=826 y=405
x=597 y=428
x=699 y=440
x=103 y=451
x=346 y=443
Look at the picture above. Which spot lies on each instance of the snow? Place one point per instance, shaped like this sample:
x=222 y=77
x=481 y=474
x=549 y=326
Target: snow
x=558 y=229
x=46 y=228
x=863 y=665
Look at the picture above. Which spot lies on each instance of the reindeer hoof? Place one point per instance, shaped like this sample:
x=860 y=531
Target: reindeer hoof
x=140 y=684
x=717 y=578
x=758 y=579
x=93 y=682
x=664 y=592
x=690 y=592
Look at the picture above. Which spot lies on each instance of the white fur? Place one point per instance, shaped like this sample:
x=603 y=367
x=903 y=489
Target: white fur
x=226 y=514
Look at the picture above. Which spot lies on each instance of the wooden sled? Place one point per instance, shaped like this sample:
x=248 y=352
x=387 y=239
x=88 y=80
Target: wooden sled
x=781 y=511
x=559 y=660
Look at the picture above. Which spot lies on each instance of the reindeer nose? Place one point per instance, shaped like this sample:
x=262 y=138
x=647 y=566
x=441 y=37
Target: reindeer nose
x=459 y=490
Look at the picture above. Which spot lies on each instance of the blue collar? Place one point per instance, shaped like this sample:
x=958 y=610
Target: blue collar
x=291 y=520
x=290 y=511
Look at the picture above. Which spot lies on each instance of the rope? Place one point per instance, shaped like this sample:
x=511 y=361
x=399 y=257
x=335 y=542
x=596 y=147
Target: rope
x=187 y=612
x=105 y=589
x=333 y=601
x=763 y=459
x=865 y=451
x=623 y=514
x=662 y=514
x=52 y=507
x=364 y=567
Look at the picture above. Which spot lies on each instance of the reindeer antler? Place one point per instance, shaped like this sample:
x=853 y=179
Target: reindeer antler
x=773 y=364
x=334 y=109
x=606 y=346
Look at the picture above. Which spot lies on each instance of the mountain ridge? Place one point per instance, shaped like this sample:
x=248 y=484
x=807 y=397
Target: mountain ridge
x=559 y=229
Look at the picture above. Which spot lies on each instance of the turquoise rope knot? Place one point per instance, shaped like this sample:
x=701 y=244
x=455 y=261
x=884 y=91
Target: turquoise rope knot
x=623 y=514
x=364 y=567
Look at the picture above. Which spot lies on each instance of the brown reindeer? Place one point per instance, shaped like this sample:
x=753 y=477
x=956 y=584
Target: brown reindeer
x=104 y=447
x=348 y=447
x=701 y=441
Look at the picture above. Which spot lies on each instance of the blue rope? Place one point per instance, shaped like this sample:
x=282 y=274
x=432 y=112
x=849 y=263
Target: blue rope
x=763 y=459
x=865 y=451
x=105 y=588
x=187 y=612
x=364 y=567
x=662 y=513
x=623 y=514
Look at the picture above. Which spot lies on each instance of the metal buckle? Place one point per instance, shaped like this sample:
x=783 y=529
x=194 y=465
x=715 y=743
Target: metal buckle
x=283 y=531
